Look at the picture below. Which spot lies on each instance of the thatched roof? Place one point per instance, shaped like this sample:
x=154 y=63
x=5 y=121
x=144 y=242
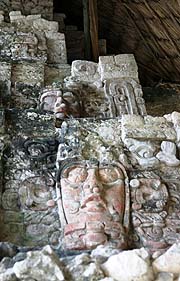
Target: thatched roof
x=148 y=28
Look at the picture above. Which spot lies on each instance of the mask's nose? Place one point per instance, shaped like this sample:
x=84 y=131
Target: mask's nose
x=92 y=183
x=92 y=192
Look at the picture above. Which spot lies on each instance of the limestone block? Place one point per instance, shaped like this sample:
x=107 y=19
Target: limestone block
x=85 y=70
x=118 y=66
x=28 y=73
x=56 y=47
x=25 y=96
x=48 y=266
x=45 y=25
x=169 y=261
x=32 y=124
x=56 y=73
x=16 y=16
x=33 y=17
x=129 y=265
x=22 y=44
x=150 y=128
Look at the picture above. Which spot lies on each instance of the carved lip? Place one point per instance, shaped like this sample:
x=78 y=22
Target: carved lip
x=60 y=114
x=93 y=202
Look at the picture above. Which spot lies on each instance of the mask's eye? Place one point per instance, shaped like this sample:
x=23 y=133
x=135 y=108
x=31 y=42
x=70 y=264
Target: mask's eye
x=69 y=98
x=108 y=175
x=76 y=174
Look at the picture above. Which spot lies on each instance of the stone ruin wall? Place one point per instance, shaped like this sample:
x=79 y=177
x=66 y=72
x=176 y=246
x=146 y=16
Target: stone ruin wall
x=58 y=124
x=44 y=123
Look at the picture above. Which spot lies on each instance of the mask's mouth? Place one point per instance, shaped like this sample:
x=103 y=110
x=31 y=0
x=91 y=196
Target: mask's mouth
x=93 y=202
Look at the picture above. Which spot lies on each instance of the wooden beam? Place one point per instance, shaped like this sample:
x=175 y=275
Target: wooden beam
x=87 y=40
x=93 y=18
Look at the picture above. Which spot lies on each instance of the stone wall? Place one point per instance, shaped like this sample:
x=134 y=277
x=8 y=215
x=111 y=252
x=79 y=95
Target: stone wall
x=32 y=55
x=36 y=99
x=45 y=8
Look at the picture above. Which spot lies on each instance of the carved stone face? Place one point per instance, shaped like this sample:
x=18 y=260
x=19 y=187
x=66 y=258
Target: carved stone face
x=67 y=105
x=93 y=197
x=62 y=104
x=48 y=99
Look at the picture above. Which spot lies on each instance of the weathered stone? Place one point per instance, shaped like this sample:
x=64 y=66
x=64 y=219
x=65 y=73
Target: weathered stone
x=44 y=25
x=45 y=8
x=1 y=19
x=6 y=263
x=48 y=266
x=149 y=128
x=168 y=154
x=7 y=250
x=149 y=202
x=85 y=70
x=56 y=47
x=165 y=276
x=125 y=96
x=5 y=82
x=25 y=96
x=28 y=73
x=64 y=104
x=54 y=73
x=8 y=275
x=129 y=265
x=169 y=261
x=101 y=253
x=118 y=66
x=81 y=268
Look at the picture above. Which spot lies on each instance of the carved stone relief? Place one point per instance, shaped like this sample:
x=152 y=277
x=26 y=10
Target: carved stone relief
x=108 y=97
x=143 y=151
x=167 y=154
x=66 y=178
x=95 y=202
x=62 y=103
x=153 y=197
x=35 y=192
x=29 y=180
x=125 y=97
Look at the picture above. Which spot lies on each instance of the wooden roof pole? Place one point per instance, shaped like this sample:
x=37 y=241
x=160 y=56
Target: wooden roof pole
x=87 y=39
x=93 y=16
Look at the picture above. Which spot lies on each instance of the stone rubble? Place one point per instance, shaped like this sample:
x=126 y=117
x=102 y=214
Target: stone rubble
x=131 y=265
x=42 y=265
x=137 y=265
